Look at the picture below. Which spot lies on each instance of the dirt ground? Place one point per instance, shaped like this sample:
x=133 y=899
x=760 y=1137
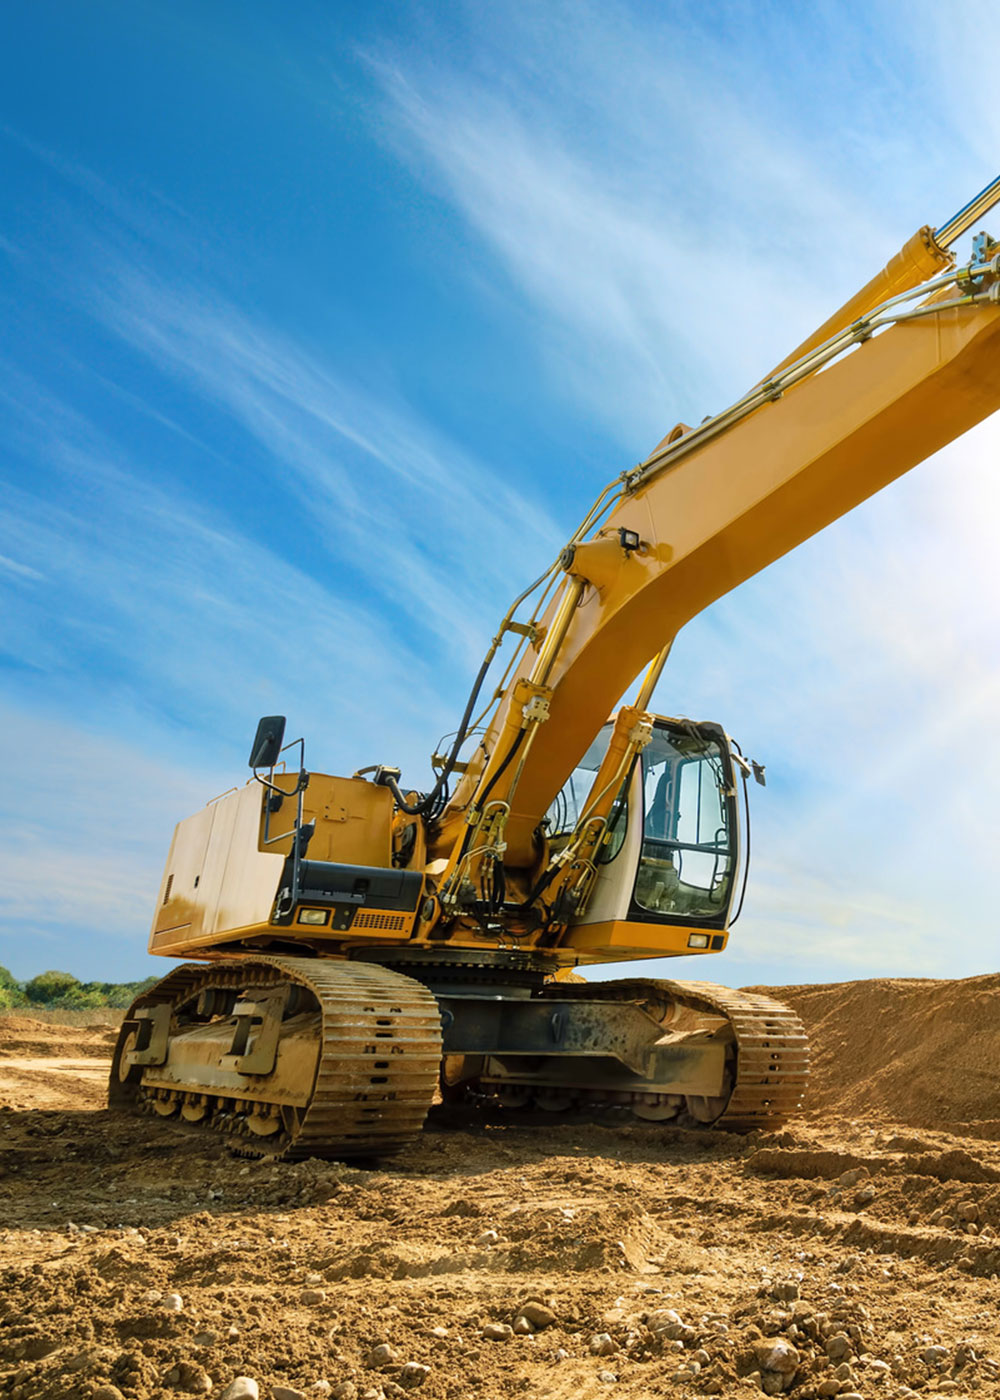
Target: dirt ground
x=855 y=1252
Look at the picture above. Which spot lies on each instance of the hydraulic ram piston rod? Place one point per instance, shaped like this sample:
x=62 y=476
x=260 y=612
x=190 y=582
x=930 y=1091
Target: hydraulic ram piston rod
x=961 y=222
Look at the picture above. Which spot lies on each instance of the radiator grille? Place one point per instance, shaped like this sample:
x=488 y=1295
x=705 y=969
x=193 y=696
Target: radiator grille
x=366 y=918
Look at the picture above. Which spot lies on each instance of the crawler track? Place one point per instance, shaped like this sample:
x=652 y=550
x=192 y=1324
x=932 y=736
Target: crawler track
x=374 y=1077
x=771 y=1061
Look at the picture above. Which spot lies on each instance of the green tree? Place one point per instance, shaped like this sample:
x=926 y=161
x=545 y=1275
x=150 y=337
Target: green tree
x=49 y=987
x=11 y=991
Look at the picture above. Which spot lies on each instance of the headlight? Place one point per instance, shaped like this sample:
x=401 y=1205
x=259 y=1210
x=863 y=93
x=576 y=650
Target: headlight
x=698 y=940
x=313 y=916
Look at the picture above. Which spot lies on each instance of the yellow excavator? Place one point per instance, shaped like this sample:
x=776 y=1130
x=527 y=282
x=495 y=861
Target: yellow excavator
x=364 y=950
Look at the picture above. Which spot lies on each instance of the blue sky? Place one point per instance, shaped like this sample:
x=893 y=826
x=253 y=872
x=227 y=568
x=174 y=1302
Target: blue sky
x=322 y=326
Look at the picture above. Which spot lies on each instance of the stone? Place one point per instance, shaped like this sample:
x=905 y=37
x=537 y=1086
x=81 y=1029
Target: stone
x=241 y=1388
x=313 y=1280
x=932 y=1356
x=487 y=1238
x=775 y=1354
x=838 y=1347
x=852 y=1177
x=657 y=1320
x=829 y=1387
x=607 y=1377
x=522 y=1327
x=414 y=1373
x=441 y=1333
x=497 y=1332
x=312 y=1297
x=343 y=1390
x=204 y=1339
x=865 y=1196
x=603 y=1344
x=537 y=1314
x=172 y=1302
x=286 y=1392
x=106 y=1392
x=191 y=1378
x=381 y=1356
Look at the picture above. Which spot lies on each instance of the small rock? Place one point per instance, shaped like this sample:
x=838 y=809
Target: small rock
x=204 y=1339
x=413 y=1374
x=701 y=1356
x=931 y=1356
x=537 y=1314
x=242 y=1388
x=441 y=1333
x=838 y=1347
x=663 y=1317
x=195 y=1379
x=286 y=1392
x=343 y=1390
x=522 y=1327
x=607 y=1377
x=172 y=1302
x=967 y=1210
x=603 y=1344
x=313 y=1280
x=312 y=1297
x=851 y=1395
x=487 y=1238
x=829 y=1387
x=497 y=1332
x=852 y=1177
x=232 y=1332
x=775 y=1354
x=865 y=1196
x=381 y=1356
x=106 y=1392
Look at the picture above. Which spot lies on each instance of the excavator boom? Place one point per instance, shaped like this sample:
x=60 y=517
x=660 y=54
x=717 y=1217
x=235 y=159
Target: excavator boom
x=363 y=948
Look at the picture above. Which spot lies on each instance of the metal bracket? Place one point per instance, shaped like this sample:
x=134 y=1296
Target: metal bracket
x=266 y=1015
x=152 y=1035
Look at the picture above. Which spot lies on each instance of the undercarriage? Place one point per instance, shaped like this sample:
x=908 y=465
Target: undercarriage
x=328 y=1057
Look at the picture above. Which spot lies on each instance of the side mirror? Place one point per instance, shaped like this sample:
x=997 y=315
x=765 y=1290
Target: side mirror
x=267 y=741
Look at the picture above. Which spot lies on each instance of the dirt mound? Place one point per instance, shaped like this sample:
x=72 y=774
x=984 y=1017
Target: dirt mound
x=567 y=1260
x=28 y=1036
x=918 y=1051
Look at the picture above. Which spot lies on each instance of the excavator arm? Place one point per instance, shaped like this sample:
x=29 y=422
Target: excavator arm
x=712 y=506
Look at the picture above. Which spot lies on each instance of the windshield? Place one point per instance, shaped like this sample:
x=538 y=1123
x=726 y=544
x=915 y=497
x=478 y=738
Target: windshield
x=566 y=810
x=686 y=866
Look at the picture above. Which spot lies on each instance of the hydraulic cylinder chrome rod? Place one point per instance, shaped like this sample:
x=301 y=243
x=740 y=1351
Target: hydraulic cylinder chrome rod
x=961 y=222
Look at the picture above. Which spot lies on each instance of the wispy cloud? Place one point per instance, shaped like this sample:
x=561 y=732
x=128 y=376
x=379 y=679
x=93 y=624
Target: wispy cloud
x=408 y=510
x=621 y=194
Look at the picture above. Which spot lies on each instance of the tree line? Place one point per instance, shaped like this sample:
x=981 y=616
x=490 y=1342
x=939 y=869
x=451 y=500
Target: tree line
x=64 y=992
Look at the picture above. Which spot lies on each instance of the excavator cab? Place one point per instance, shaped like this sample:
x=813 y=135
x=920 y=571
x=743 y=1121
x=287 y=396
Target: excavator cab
x=667 y=868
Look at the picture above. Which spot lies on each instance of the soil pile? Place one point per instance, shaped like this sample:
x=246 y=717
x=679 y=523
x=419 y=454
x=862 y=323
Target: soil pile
x=569 y=1259
x=919 y=1051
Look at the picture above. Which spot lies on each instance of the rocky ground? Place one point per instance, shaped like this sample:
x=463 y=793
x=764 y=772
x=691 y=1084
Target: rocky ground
x=856 y=1253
